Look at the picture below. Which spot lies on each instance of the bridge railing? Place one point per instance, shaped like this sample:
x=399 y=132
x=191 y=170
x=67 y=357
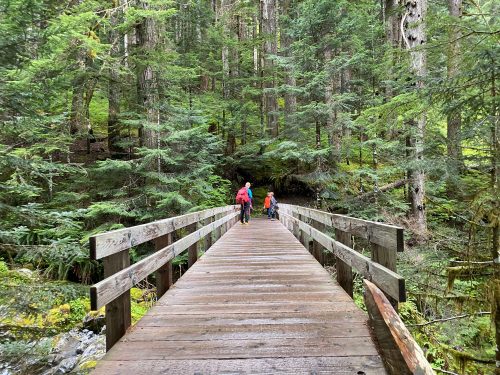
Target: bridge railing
x=383 y=287
x=120 y=276
x=386 y=240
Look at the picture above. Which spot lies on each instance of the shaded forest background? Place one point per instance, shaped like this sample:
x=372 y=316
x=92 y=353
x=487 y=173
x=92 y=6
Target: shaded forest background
x=115 y=113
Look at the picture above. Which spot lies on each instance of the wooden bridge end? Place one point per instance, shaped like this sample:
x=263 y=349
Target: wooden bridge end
x=400 y=353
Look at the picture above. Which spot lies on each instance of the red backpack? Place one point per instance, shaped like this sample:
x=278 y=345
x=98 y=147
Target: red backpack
x=242 y=196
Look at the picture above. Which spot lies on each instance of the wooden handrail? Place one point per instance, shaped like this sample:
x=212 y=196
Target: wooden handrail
x=390 y=282
x=400 y=353
x=114 y=291
x=106 y=244
x=386 y=235
x=113 y=286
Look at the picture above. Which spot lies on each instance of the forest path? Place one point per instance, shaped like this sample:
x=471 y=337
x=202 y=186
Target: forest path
x=257 y=302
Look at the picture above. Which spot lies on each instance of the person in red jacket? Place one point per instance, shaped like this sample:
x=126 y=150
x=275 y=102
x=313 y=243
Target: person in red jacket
x=243 y=199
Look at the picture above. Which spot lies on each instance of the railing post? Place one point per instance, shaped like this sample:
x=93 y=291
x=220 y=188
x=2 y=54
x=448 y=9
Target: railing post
x=164 y=275
x=218 y=231
x=387 y=258
x=302 y=236
x=208 y=237
x=344 y=271
x=193 y=249
x=295 y=225
x=317 y=249
x=118 y=314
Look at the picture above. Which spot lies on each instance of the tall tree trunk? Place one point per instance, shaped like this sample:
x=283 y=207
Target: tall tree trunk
x=414 y=36
x=269 y=29
x=334 y=130
x=392 y=22
x=148 y=82
x=229 y=71
x=78 y=121
x=454 y=119
x=290 y=82
x=114 y=87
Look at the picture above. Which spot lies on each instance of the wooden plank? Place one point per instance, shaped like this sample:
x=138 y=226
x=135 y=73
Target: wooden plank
x=118 y=311
x=388 y=236
x=252 y=331
x=117 y=284
x=220 y=349
x=366 y=365
x=164 y=275
x=401 y=354
x=108 y=243
x=389 y=281
x=162 y=316
x=344 y=271
x=346 y=310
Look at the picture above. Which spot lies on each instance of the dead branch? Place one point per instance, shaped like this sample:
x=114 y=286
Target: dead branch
x=479 y=313
x=383 y=189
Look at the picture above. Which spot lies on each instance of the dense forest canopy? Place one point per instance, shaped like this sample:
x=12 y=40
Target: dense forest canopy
x=120 y=112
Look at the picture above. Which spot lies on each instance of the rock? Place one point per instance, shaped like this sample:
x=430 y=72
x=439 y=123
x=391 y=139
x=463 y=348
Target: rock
x=94 y=322
x=29 y=274
x=66 y=365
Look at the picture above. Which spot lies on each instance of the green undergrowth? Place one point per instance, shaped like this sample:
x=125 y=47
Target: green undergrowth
x=32 y=306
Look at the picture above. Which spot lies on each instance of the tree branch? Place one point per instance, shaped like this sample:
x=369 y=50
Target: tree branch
x=450 y=318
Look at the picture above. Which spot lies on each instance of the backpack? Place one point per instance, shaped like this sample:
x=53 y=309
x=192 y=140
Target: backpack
x=242 y=196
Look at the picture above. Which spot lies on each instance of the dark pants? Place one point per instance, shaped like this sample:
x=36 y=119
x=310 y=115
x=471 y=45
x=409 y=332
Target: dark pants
x=245 y=212
x=268 y=213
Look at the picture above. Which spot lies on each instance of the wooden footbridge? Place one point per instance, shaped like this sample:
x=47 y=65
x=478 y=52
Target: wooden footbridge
x=259 y=300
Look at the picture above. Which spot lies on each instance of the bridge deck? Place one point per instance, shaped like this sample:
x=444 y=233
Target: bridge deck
x=256 y=303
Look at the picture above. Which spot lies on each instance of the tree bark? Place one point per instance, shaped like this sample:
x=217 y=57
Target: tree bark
x=414 y=36
x=148 y=82
x=454 y=119
x=334 y=130
x=269 y=29
x=78 y=123
x=114 y=87
x=290 y=81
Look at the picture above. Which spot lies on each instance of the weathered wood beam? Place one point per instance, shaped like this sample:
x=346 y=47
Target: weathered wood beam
x=344 y=271
x=400 y=353
x=108 y=243
x=385 y=235
x=118 y=311
x=389 y=281
x=113 y=286
x=164 y=274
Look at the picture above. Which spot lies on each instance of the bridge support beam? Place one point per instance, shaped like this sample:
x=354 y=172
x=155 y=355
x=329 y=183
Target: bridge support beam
x=164 y=275
x=118 y=314
x=344 y=271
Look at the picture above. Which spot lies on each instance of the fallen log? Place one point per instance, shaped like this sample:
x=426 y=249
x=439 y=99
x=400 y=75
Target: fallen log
x=383 y=189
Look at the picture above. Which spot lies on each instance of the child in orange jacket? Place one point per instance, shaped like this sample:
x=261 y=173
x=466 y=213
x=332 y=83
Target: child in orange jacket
x=267 y=205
